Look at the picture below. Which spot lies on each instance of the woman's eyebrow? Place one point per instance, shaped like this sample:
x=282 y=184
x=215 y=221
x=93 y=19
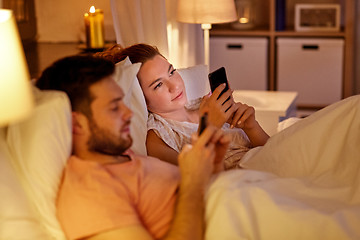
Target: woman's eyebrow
x=159 y=79
x=170 y=67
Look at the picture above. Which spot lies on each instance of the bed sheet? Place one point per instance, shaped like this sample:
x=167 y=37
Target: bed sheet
x=303 y=184
x=256 y=205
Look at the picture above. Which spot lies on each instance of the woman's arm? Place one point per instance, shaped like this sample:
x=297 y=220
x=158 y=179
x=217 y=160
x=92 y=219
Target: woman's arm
x=156 y=147
x=244 y=118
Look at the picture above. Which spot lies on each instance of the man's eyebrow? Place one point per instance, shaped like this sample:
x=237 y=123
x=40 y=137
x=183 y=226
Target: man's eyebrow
x=116 y=100
x=159 y=79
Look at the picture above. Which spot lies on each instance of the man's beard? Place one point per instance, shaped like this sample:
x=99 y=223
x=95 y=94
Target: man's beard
x=105 y=142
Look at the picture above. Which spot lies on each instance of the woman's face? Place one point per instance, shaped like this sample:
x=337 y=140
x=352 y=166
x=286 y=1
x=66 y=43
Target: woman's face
x=162 y=85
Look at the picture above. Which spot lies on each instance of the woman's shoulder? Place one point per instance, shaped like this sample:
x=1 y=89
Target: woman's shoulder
x=155 y=120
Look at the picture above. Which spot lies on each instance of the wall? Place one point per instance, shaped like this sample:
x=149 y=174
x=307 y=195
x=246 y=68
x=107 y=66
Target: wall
x=357 y=50
x=63 y=21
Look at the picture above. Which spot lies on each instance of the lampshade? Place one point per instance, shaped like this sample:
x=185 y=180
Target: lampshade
x=206 y=11
x=16 y=99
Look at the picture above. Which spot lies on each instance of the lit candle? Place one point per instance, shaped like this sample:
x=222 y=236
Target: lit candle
x=94 y=28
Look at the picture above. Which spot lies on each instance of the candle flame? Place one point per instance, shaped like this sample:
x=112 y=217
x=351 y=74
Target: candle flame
x=92 y=9
x=243 y=20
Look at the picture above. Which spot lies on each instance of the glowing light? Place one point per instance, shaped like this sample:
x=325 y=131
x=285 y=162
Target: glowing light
x=243 y=20
x=92 y=9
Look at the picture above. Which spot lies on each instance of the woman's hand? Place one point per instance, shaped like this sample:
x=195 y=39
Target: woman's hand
x=218 y=108
x=243 y=116
x=224 y=109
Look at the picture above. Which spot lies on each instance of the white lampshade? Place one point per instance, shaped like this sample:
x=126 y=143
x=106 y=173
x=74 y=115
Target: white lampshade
x=206 y=11
x=16 y=100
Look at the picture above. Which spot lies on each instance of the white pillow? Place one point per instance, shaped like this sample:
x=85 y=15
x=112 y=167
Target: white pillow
x=17 y=219
x=125 y=76
x=196 y=81
x=41 y=145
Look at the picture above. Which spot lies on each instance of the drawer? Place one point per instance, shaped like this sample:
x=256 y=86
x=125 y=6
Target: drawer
x=245 y=61
x=312 y=67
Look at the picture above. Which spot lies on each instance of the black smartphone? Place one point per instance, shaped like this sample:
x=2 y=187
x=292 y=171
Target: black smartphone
x=202 y=123
x=218 y=77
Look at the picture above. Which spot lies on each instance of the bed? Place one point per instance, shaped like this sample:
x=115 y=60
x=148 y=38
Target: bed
x=287 y=199
x=294 y=192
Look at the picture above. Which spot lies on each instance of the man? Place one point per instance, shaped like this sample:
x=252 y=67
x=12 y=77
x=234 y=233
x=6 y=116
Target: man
x=108 y=192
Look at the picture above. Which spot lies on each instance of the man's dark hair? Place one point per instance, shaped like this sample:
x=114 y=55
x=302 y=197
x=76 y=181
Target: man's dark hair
x=74 y=75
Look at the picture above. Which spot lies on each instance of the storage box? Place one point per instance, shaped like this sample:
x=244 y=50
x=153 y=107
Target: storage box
x=312 y=67
x=245 y=60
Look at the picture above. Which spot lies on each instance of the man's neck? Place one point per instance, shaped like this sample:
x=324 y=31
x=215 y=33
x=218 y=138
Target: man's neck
x=101 y=158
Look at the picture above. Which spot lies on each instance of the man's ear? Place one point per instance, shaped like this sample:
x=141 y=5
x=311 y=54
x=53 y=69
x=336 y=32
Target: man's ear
x=79 y=122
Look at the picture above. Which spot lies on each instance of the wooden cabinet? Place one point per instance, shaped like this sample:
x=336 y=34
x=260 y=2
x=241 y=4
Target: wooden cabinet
x=265 y=26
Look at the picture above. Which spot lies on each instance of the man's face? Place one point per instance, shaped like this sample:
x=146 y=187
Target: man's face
x=110 y=121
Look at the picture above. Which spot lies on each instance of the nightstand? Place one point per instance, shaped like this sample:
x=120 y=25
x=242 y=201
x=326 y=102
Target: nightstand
x=271 y=107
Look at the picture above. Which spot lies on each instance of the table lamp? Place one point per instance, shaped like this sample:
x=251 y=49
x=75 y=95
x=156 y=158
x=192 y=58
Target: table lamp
x=206 y=12
x=16 y=100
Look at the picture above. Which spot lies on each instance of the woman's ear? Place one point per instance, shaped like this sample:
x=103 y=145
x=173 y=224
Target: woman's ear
x=79 y=123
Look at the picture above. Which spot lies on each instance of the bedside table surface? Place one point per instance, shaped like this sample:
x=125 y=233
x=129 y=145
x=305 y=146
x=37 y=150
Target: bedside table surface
x=272 y=101
x=270 y=106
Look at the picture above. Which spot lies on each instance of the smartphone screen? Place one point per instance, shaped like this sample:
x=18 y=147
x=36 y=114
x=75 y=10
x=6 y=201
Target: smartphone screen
x=218 y=77
x=202 y=123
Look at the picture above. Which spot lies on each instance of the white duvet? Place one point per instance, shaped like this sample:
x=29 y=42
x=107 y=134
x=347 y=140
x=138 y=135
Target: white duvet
x=303 y=184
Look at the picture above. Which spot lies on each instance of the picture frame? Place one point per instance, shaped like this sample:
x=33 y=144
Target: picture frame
x=317 y=17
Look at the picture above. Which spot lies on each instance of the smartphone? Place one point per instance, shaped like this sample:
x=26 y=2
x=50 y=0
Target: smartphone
x=202 y=123
x=218 y=77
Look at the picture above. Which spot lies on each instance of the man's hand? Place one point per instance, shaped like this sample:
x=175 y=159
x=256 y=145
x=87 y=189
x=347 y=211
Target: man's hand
x=196 y=161
x=221 y=142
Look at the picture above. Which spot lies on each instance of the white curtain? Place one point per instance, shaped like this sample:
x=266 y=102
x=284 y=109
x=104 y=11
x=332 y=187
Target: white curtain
x=154 y=22
x=186 y=44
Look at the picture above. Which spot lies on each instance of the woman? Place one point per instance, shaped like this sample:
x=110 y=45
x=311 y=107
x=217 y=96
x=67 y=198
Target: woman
x=172 y=120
